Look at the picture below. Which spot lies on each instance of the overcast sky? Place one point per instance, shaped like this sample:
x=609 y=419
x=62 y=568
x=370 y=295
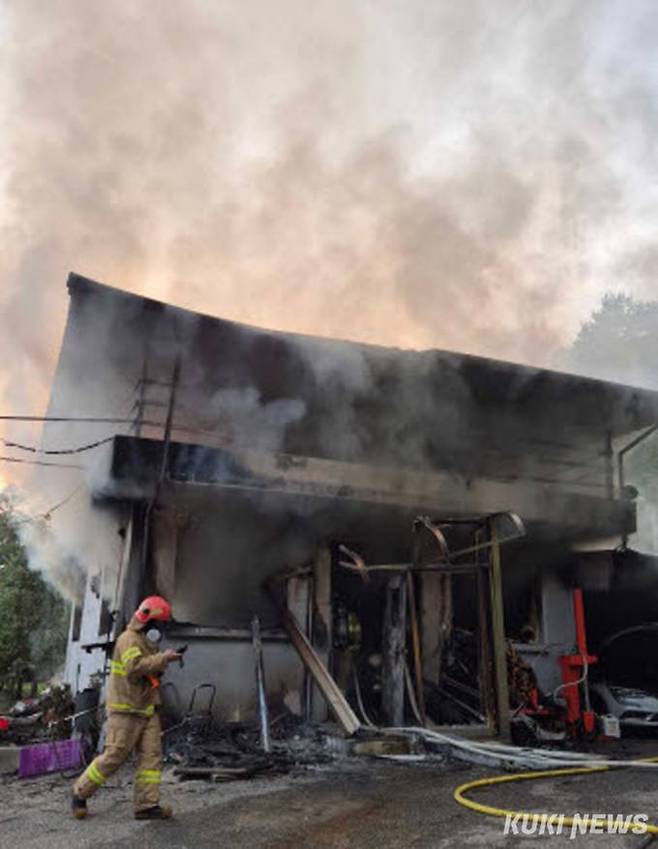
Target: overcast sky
x=468 y=175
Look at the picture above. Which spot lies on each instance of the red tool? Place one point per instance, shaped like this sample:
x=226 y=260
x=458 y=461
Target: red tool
x=581 y=719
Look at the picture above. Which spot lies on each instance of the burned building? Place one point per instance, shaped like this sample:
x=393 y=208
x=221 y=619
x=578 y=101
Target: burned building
x=410 y=510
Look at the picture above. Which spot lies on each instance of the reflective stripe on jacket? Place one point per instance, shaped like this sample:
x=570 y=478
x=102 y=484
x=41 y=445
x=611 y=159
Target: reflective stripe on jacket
x=135 y=658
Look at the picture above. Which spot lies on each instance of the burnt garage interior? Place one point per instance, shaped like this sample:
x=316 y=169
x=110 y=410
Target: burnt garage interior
x=408 y=528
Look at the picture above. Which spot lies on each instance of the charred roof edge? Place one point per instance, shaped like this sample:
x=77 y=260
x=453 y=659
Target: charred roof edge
x=80 y=283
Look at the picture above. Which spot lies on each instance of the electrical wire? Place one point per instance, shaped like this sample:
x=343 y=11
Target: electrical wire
x=78 y=450
x=516 y=756
x=359 y=700
x=581 y=680
x=60 y=451
x=225 y=435
x=411 y=694
x=82 y=419
x=49 y=513
x=40 y=463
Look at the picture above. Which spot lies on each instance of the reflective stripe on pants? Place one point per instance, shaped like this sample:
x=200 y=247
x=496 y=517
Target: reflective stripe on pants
x=127 y=733
x=148 y=776
x=94 y=774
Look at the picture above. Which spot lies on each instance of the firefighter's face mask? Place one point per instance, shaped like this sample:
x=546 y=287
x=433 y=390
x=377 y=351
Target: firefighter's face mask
x=154 y=634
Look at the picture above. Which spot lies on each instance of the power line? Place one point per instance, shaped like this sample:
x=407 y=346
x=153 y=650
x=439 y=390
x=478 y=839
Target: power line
x=39 y=463
x=64 y=501
x=78 y=450
x=82 y=419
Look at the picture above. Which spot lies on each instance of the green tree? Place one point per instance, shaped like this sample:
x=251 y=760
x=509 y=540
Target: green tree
x=619 y=342
x=32 y=616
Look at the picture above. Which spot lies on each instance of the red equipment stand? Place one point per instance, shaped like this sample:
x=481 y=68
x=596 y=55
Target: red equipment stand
x=580 y=718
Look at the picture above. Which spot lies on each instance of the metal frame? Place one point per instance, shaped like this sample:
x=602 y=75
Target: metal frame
x=487 y=567
x=628 y=447
x=491 y=612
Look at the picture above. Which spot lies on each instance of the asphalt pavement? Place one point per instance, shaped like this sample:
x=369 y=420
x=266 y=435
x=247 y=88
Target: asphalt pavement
x=363 y=804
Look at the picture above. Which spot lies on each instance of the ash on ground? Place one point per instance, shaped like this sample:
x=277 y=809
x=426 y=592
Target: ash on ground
x=196 y=746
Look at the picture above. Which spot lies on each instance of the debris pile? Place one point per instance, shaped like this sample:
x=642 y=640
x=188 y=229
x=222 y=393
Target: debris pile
x=234 y=750
x=45 y=717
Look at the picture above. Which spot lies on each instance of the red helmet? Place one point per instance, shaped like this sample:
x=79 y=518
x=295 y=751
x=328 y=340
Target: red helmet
x=153 y=608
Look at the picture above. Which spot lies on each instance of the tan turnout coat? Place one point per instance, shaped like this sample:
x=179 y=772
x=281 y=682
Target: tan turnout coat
x=135 y=658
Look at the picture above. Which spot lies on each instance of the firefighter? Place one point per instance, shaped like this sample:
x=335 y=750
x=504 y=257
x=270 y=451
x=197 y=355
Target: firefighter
x=132 y=703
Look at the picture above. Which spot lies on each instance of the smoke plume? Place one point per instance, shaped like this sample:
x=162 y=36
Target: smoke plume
x=467 y=176
x=470 y=176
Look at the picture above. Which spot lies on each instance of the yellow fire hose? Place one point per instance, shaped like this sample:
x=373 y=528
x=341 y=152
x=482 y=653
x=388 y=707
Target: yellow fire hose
x=461 y=798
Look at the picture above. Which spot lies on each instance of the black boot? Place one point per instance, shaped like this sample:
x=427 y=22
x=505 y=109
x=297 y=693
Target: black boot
x=157 y=812
x=78 y=807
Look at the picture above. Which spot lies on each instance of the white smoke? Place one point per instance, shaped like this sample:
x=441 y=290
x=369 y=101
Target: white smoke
x=470 y=175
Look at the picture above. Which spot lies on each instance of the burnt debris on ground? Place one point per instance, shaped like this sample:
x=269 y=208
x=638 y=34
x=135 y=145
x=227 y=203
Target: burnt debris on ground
x=41 y=718
x=223 y=752
x=210 y=750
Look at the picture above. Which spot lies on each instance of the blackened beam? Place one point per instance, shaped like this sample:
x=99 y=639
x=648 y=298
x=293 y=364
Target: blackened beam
x=207 y=632
x=337 y=702
x=449 y=568
x=135 y=464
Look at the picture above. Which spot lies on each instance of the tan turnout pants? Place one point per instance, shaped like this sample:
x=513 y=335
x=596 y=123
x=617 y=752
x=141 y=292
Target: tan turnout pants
x=127 y=733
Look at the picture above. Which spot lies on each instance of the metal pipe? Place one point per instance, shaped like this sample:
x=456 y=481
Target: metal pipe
x=260 y=685
x=632 y=444
x=163 y=465
x=447 y=568
x=608 y=455
x=170 y=417
x=498 y=635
